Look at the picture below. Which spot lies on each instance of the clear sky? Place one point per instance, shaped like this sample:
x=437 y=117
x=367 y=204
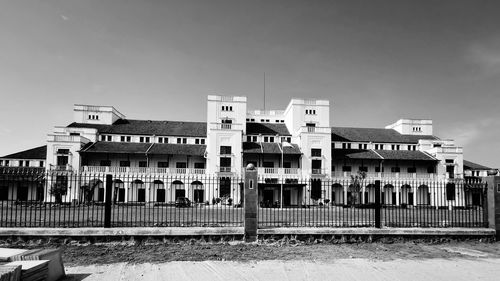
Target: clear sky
x=376 y=61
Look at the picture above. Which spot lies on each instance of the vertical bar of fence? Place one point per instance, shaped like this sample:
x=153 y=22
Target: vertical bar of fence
x=107 y=201
x=377 y=204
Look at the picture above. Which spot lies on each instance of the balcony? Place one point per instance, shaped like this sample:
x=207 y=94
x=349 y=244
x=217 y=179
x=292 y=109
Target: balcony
x=225 y=169
x=140 y=170
x=278 y=171
x=315 y=130
x=66 y=167
x=376 y=175
x=226 y=126
x=67 y=138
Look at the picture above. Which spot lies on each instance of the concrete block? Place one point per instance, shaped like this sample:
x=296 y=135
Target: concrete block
x=10 y=272
x=7 y=253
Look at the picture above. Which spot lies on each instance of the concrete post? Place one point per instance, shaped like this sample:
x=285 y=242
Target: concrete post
x=250 y=203
x=491 y=205
x=107 y=200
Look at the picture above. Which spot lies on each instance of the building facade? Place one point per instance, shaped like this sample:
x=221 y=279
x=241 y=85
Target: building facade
x=297 y=152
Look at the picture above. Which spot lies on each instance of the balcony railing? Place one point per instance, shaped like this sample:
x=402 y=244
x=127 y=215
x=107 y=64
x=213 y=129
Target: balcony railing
x=321 y=130
x=278 y=171
x=225 y=169
x=371 y=175
x=66 y=167
x=141 y=170
x=67 y=138
x=226 y=126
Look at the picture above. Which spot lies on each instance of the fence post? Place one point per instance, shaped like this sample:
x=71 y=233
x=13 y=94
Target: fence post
x=250 y=203
x=491 y=206
x=107 y=201
x=377 y=205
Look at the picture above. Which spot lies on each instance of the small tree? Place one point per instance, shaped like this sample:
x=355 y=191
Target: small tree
x=58 y=189
x=356 y=186
x=88 y=190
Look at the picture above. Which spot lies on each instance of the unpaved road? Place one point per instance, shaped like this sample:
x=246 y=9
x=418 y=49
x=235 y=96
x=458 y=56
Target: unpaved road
x=342 y=269
x=276 y=261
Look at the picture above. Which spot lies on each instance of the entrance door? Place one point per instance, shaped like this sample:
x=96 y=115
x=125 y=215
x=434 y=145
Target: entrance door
x=268 y=197
x=287 y=196
x=160 y=195
x=316 y=166
x=198 y=195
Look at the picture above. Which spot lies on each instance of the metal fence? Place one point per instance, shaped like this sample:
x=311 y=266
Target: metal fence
x=59 y=199
x=355 y=202
x=62 y=199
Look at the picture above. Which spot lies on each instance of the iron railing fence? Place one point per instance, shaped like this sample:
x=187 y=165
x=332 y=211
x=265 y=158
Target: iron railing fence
x=34 y=198
x=324 y=202
x=61 y=199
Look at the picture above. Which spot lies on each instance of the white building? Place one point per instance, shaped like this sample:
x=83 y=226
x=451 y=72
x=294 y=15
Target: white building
x=289 y=146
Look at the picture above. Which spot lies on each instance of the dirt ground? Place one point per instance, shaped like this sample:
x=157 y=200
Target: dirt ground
x=134 y=252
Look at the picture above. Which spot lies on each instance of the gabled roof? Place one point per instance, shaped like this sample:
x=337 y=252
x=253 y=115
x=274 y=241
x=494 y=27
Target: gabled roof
x=33 y=153
x=375 y=135
x=270 y=148
x=413 y=155
x=468 y=165
x=179 y=149
x=355 y=154
x=145 y=148
x=117 y=147
x=148 y=127
x=267 y=129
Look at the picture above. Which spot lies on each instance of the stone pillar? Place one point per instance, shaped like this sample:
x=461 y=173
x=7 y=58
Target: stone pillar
x=491 y=204
x=250 y=203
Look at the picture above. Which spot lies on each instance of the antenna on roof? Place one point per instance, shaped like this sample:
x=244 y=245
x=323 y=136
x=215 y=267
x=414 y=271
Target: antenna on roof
x=265 y=91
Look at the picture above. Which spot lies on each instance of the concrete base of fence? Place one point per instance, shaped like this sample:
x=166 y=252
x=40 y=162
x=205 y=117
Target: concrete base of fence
x=122 y=231
x=380 y=231
x=239 y=231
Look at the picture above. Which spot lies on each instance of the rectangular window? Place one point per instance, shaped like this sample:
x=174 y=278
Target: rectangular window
x=103 y=138
x=450 y=191
x=202 y=141
x=196 y=141
x=225 y=149
x=437 y=145
x=376 y=146
x=1 y=162
x=122 y=138
x=7 y=163
x=315 y=152
x=249 y=138
x=346 y=168
x=162 y=164
x=181 y=165
x=395 y=169
x=254 y=138
x=449 y=161
x=179 y=140
x=147 y=139
x=141 y=139
x=412 y=170
x=124 y=163
x=381 y=147
x=143 y=164
x=266 y=139
x=393 y=147
x=41 y=164
x=199 y=165
x=431 y=170
x=268 y=164
x=271 y=139
x=225 y=162
x=184 y=140
x=105 y=163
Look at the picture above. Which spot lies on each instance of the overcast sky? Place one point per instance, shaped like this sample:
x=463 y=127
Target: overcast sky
x=376 y=61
